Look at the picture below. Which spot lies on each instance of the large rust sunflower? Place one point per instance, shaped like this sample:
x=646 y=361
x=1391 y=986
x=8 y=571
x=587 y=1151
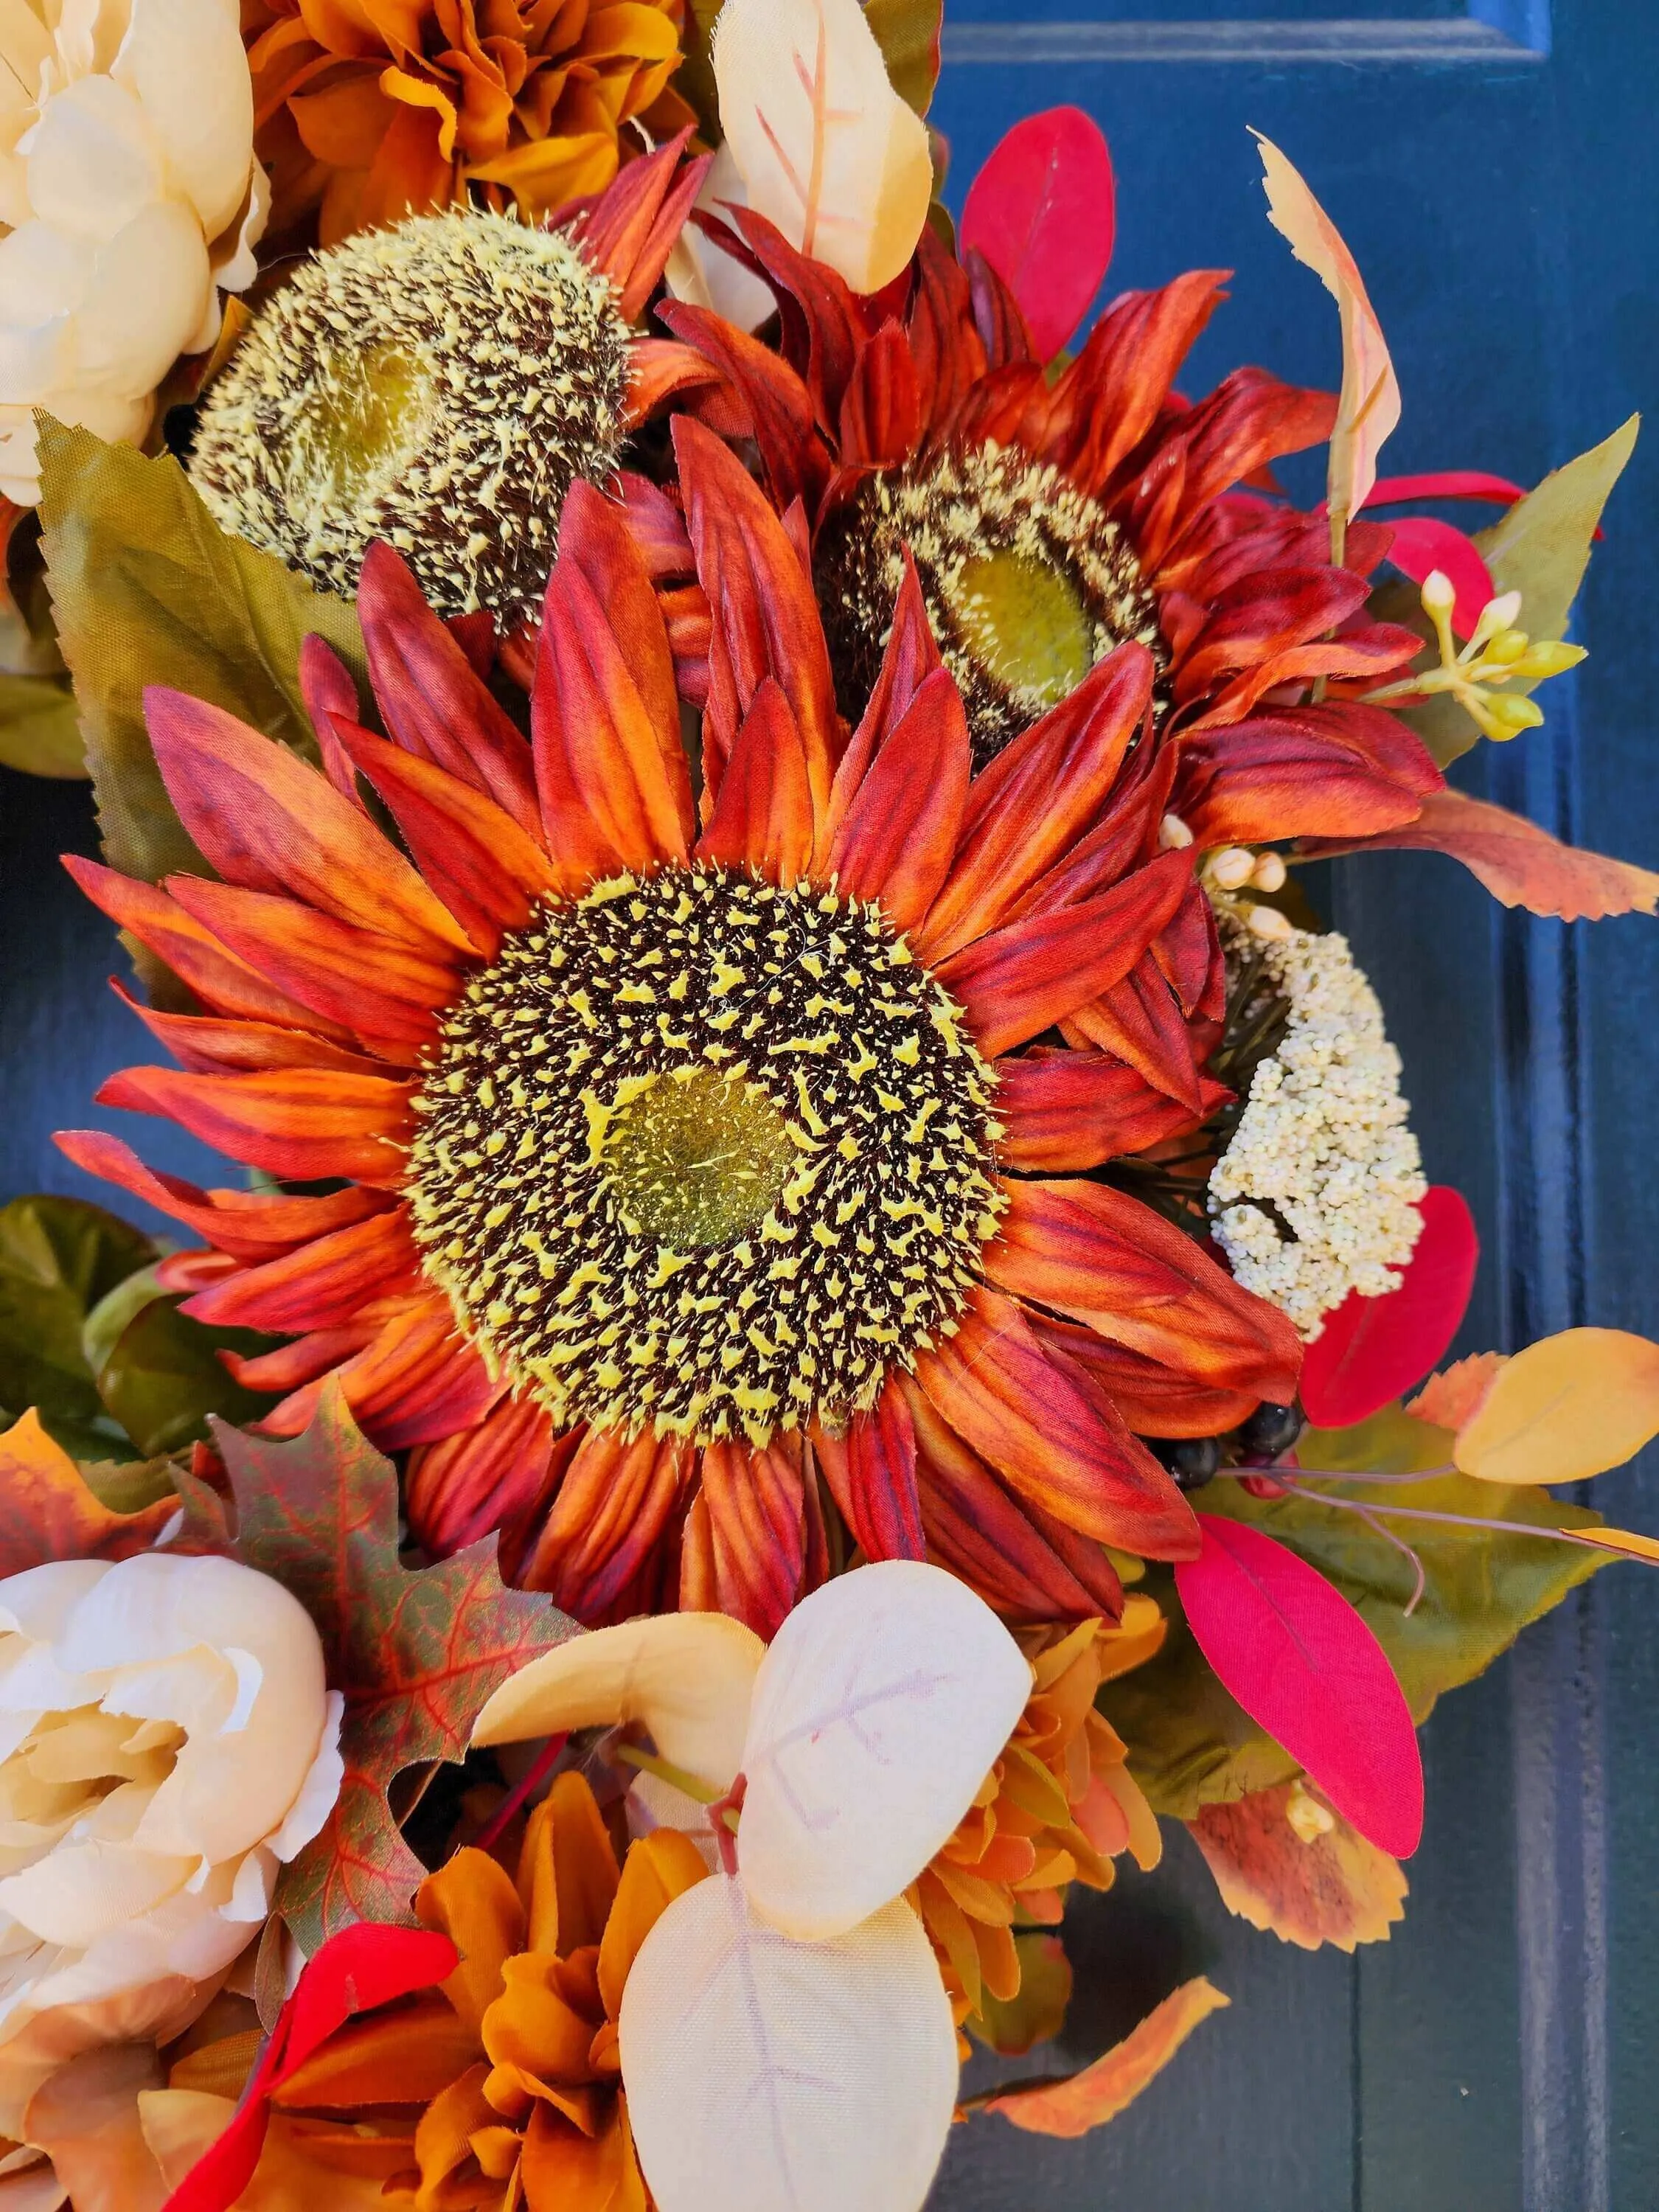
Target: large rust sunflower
x=686 y=1157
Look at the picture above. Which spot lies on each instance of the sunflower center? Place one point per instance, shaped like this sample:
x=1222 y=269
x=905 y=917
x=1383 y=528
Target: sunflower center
x=705 y=1154
x=1024 y=622
x=1028 y=583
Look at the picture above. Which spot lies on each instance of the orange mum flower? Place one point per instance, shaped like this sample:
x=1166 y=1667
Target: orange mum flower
x=370 y=110
x=1057 y=1808
x=687 y=1158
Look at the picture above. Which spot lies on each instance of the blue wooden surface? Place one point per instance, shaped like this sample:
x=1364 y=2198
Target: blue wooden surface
x=1496 y=2056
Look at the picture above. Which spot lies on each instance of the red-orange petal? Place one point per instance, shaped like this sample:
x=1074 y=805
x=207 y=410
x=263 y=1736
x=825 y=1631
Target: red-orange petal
x=491 y=1476
x=1056 y=1438
x=267 y=822
x=1104 y=1259
x=1037 y=796
x=254 y=1225
x=763 y=819
x=1137 y=1019
x=757 y=1529
x=1076 y=1109
x=1020 y=980
x=792 y=450
x=303 y=1124
x=629 y=233
x=209 y=1044
x=611 y=1510
x=323 y=1285
x=417 y=1380
x=1154 y=1399
x=872 y=1474
x=909 y=657
x=898 y=838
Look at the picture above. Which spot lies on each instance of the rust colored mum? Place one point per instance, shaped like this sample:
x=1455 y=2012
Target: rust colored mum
x=370 y=110
x=1057 y=1808
x=1050 y=521
x=691 y=1157
x=503 y=2085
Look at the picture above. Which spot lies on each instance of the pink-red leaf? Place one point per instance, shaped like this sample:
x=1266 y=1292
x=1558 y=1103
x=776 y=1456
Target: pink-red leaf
x=363 y=1966
x=1421 y=545
x=1301 y=1663
x=1371 y=1350
x=1042 y=211
x=1446 y=483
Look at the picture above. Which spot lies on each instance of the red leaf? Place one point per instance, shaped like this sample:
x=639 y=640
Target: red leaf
x=1301 y=1663
x=415 y=1655
x=1420 y=546
x=363 y=1966
x=1446 y=483
x=1371 y=1350
x=1042 y=211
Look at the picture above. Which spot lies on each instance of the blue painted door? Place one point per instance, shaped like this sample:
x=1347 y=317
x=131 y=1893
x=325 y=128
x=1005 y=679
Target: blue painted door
x=1494 y=167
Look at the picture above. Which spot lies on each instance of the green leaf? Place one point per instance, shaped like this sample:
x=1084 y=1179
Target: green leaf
x=908 y=32
x=163 y=1377
x=40 y=728
x=415 y=1655
x=58 y=1258
x=148 y=589
x=1037 y=2013
x=1540 y=549
x=1189 y=1743
x=1483 y=1585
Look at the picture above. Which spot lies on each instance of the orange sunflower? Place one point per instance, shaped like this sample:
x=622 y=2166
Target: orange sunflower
x=1049 y=519
x=370 y=110
x=684 y=1155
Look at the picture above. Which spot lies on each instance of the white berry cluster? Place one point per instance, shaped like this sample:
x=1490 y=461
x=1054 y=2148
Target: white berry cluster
x=1315 y=1195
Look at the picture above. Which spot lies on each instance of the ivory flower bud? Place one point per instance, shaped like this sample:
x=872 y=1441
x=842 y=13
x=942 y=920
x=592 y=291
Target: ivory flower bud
x=167 y=1737
x=128 y=194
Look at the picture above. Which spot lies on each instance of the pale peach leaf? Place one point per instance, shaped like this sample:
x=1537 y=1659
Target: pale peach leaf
x=1456 y=1394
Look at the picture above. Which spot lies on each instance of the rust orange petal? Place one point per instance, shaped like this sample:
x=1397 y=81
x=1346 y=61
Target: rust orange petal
x=415 y=1380
x=1037 y=796
x=1300 y=769
x=493 y=1475
x=631 y=231
x=1083 y=1249
x=207 y=1044
x=488 y=871
x=303 y=1124
x=610 y=1511
x=1021 y=980
x=322 y=1286
x=909 y=657
x=764 y=816
x=756 y=1527
x=1113 y=393
x=328 y=689
x=872 y=1473
x=896 y=840
x=194 y=955
x=385 y=991
x=1138 y=1020
x=432 y=701
x=1056 y=1438
x=1079 y=1109
x=1154 y=1399
x=267 y=820
x=765 y=616
x=778 y=405
x=836 y=322
x=291 y=1366
x=252 y=1225
x=881 y=407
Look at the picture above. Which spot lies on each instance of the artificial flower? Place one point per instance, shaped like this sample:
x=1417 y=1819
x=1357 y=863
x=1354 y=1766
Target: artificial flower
x=169 y=1741
x=128 y=194
x=862 y=1737
x=441 y=384
x=370 y=112
x=671 y=1161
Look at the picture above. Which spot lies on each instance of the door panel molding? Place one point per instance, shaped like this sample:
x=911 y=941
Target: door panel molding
x=1512 y=34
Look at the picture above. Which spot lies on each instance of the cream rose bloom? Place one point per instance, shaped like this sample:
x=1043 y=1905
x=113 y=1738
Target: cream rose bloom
x=129 y=193
x=167 y=1737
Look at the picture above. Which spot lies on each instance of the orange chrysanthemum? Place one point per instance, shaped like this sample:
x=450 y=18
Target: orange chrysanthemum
x=683 y=1157
x=504 y=2086
x=1057 y=1808
x=370 y=110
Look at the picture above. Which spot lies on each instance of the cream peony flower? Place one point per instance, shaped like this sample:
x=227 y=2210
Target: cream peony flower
x=128 y=194
x=166 y=1738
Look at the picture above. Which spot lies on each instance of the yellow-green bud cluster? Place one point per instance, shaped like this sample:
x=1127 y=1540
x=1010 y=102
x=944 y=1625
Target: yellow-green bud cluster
x=706 y=1155
x=439 y=384
x=1028 y=583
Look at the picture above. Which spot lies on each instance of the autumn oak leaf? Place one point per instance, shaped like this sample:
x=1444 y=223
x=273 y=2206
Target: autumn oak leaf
x=415 y=1653
x=1313 y=1883
x=53 y=1512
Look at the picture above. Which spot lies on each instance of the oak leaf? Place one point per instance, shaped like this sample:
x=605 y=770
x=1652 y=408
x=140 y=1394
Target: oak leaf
x=1330 y=1887
x=53 y=1512
x=1071 y=2107
x=1458 y=1392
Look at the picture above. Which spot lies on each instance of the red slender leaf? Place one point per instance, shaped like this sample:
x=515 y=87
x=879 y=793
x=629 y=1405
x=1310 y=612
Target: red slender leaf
x=1371 y=1350
x=1042 y=211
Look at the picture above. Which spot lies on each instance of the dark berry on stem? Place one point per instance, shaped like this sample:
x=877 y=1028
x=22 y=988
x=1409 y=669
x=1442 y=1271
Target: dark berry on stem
x=1272 y=1429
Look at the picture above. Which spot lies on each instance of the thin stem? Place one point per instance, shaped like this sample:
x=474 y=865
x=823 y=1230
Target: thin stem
x=690 y=1785
x=1451 y=1520
x=522 y=1790
x=1332 y=1475
x=1420 y=1573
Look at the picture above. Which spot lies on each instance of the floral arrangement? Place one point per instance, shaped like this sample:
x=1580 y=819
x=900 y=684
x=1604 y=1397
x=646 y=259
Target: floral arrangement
x=827 y=1307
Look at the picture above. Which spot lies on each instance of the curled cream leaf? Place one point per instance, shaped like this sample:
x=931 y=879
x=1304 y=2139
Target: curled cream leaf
x=826 y=149
x=881 y=1704
x=167 y=1738
x=1567 y=1407
x=1368 y=409
x=763 y=2073
x=687 y=1677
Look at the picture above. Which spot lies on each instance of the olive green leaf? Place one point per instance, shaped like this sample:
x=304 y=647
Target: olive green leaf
x=163 y=1377
x=1541 y=548
x=59 y=1257
x=146 y=588
x=908 y=32
x=693 y=80
x=39 y=729
x=1036 y=2011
